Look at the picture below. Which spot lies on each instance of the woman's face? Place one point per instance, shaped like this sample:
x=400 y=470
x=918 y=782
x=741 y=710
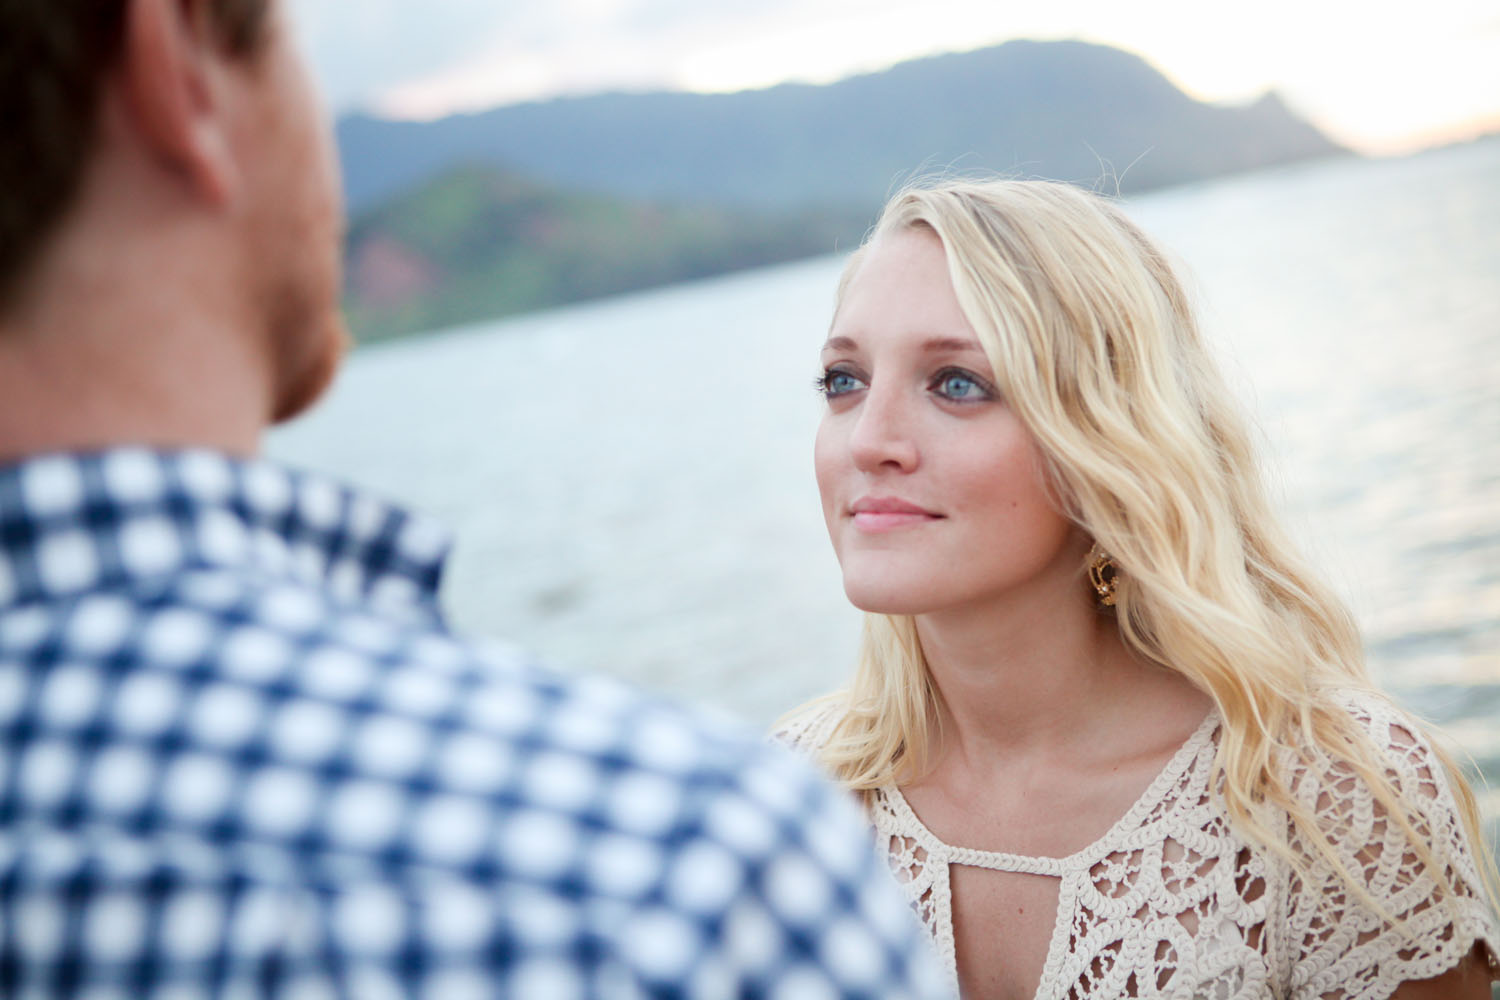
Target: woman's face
x=933 y=491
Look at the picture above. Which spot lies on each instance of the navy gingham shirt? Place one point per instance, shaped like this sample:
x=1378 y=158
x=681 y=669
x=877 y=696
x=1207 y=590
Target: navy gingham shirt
x=241 y=756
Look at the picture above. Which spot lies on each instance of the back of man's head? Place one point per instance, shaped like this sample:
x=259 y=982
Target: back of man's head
x=170 y=225
x=54 y=56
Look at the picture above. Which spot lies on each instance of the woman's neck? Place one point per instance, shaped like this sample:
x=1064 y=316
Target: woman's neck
x=1041 y=675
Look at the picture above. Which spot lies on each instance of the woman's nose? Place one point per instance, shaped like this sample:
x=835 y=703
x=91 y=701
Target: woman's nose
x=882 y=437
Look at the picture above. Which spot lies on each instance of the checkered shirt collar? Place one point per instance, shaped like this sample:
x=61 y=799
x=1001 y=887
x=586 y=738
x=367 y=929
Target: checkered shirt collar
x=74 y=523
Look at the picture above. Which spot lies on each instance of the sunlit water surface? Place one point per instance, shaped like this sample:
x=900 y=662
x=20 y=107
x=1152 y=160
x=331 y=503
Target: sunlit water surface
x=630 y=481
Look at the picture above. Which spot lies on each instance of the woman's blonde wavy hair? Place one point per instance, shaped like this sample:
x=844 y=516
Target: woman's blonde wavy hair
x=1094 y=346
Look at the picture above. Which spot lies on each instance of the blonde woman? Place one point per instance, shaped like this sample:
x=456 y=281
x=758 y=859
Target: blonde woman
x=1116 y=738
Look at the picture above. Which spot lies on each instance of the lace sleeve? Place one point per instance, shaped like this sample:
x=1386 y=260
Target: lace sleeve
x=1342 y=947
x=809 y=728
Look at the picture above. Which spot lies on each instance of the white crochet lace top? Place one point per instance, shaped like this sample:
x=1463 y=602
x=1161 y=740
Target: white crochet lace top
x=1172 y=902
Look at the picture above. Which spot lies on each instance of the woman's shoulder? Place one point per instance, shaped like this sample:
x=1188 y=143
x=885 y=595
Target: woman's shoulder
x=1401 y=744
x=1377 y=712
x=1418 y=901
x=808 y=728
x=1379 y=740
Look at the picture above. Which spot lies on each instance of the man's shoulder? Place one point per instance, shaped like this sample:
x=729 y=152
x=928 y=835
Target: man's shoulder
x=681 y=841
x=371 y=773
x=357 y=699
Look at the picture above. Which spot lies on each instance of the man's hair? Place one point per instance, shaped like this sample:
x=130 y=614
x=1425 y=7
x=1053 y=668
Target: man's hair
x=54 y=55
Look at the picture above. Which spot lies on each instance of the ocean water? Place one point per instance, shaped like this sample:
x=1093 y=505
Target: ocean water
x=630 y=481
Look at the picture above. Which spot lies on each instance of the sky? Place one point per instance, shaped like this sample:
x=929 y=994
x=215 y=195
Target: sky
x=1381 y=77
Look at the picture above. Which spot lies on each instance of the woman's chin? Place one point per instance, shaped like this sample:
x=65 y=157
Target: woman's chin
x=886 y=600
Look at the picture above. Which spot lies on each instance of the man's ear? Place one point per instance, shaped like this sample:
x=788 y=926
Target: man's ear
x=170 y=68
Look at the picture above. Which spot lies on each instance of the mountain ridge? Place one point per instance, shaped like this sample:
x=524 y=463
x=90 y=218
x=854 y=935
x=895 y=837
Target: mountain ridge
x=1054 y=109
x=540 y=204
x=482 y=243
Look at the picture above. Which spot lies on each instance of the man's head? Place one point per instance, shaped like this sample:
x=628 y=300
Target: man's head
x=203 y=105
x=54 y=58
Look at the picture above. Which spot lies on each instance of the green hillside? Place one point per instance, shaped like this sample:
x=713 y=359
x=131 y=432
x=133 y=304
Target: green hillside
x=479 y=242
x=1066 y=110
x=534 y=205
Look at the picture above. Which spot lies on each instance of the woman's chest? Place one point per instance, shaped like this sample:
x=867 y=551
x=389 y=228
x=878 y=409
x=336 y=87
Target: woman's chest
x=1003 y=924
x=1164 y=913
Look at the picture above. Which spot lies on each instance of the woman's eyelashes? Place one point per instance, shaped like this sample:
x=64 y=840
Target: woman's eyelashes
x=956 y=385
x=961 y=386
x=836 y=382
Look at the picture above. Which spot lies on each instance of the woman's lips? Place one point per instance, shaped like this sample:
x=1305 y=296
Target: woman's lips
x=877 y=514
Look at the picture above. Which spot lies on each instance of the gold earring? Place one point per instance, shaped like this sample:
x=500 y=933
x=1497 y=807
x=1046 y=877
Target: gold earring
x=1103 y=574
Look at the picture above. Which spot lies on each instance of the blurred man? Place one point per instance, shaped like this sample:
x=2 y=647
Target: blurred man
x=239 y=752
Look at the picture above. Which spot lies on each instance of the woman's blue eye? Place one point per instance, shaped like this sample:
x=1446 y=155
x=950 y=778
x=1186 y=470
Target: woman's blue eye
x=958 y=385
x=837 y=383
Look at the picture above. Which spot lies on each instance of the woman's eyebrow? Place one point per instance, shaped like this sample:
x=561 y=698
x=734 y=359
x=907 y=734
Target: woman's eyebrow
x=941 y=344
x=933 y=346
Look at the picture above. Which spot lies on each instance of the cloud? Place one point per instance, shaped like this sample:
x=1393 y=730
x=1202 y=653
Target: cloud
x=394 y=52
x=360 y=49
x=423 y=58
x=580 y=46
